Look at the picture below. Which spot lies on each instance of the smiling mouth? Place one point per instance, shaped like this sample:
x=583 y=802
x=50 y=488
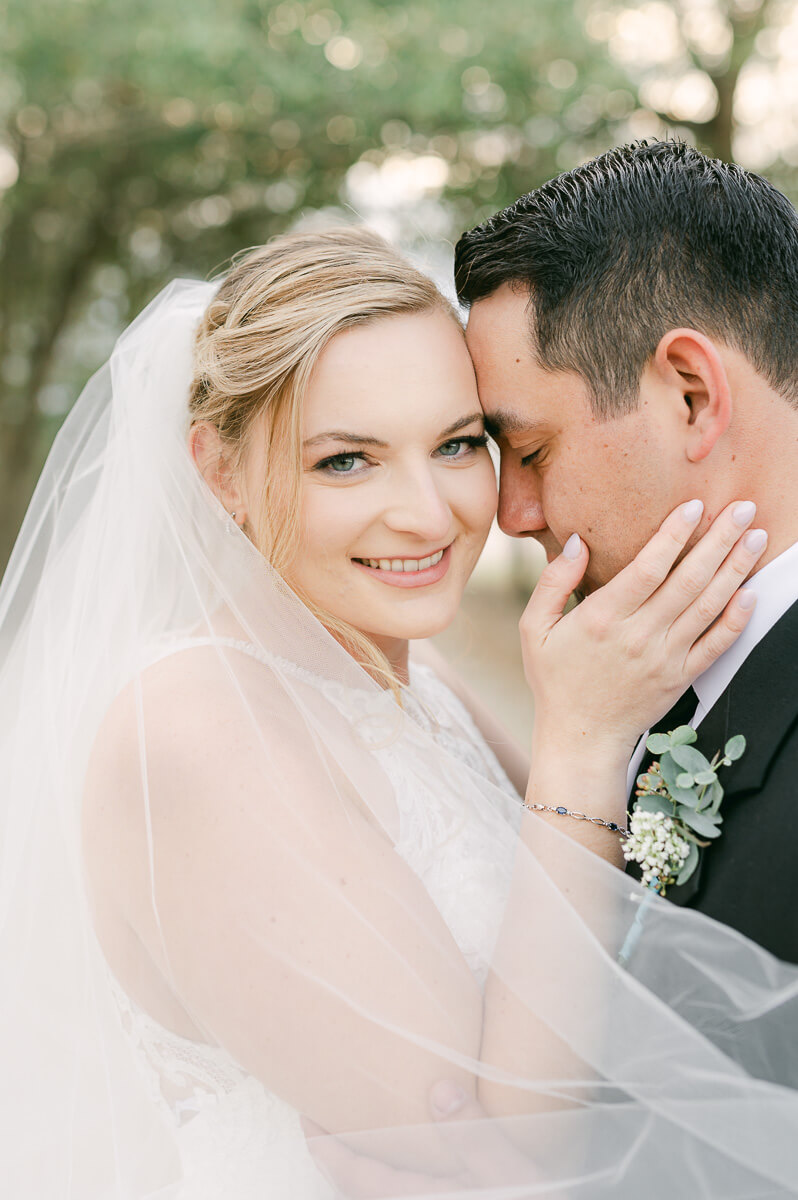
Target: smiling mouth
x=406 y=573
x=402 y=564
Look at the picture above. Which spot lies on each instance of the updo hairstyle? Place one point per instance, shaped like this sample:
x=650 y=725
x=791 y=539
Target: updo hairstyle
x=256 y=348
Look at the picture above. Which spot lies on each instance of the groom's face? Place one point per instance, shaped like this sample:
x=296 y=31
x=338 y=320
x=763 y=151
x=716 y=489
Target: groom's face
x=562 y=469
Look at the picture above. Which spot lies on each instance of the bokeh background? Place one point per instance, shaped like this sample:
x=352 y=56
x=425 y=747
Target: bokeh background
x=144 y=139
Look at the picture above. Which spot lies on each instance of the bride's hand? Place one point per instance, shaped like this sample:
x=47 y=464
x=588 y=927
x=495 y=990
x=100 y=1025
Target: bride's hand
x=481 y=1156
x=605 y=672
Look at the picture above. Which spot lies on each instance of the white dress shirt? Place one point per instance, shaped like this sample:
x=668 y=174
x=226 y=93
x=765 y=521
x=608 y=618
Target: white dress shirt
x=776 y=588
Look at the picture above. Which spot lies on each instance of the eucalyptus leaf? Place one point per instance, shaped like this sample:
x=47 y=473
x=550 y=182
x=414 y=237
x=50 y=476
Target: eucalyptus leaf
x=658 y=743
x=683 y=736
x=689 y=865
x=684 y=780
x=705 y=777
x=670 y=774
x=715 y=796
x=701 y=822
x=649 y=782
x=735 y=747
x=654 y=804
x=690 y=759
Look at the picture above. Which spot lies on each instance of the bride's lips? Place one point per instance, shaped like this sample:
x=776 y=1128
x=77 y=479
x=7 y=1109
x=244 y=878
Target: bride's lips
x=410 y=579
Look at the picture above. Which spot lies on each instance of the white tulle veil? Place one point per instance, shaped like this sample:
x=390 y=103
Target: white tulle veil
x=127 y=591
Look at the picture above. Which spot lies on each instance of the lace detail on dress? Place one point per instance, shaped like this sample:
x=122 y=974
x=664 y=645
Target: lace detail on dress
x=181 y=1074
x=448 y=841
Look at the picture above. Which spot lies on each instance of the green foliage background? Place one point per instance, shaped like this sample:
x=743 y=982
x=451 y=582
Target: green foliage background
x=140 y=140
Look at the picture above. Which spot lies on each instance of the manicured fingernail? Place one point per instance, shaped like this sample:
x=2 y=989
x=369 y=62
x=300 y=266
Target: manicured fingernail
x=755 y=540
x=744 y=513
x=446 y=1097
x=746 y=599
x=692 y=511
x=573 y=547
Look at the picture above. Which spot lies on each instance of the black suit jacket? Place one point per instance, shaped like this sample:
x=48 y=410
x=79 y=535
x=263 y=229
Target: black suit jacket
x=748 y=878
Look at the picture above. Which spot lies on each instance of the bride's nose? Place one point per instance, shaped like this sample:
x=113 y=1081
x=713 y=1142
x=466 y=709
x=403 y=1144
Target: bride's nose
x=417 y=505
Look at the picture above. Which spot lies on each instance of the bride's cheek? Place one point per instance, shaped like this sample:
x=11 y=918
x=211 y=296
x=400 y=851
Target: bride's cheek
x=483 y=500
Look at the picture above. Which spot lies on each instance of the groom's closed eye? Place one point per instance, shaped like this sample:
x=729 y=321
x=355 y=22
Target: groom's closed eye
x=534 y=458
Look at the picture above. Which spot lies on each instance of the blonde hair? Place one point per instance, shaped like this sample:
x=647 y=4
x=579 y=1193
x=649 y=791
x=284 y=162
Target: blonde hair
x=257 y=346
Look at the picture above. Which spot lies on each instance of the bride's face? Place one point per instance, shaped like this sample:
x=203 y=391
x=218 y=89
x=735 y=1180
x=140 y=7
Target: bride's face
x=398 y=489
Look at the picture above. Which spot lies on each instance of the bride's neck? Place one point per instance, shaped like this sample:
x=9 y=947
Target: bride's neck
x=396 y=651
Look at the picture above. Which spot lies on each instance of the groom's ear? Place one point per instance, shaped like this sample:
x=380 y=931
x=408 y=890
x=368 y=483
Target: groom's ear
x=689 y=365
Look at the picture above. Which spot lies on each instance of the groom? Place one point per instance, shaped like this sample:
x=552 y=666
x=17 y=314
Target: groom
x=634 y=329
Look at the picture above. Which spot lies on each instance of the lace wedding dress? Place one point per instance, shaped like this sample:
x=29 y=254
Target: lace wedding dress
x=237 y=1140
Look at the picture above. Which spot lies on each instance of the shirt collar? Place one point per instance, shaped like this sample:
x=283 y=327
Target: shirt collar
x=776 y=588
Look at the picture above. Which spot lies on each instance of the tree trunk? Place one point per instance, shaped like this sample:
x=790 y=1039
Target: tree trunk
x=20 y=442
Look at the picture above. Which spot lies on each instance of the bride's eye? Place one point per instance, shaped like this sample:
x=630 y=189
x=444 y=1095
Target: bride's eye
x=340 y=464
x=462 y=447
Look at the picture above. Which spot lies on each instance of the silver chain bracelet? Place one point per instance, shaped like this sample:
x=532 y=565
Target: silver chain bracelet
x=613 y=826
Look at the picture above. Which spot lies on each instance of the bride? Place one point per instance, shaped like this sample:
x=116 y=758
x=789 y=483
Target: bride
x=264 y=859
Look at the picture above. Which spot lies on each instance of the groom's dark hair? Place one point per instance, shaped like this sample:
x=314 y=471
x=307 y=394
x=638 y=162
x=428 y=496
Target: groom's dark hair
x=640 y=240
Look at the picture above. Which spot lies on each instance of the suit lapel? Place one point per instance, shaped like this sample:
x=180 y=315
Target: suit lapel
x=761 y=702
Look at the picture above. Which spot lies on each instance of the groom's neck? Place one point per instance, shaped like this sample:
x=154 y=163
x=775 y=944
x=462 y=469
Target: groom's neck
x=756 y=458
x=771 y=480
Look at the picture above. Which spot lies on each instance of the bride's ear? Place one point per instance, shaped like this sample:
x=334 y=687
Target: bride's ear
x=692 y=369
x=214 y=464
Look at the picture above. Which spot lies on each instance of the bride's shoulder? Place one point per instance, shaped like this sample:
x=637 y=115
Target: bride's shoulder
x=174 y=688
x=189 y=710
x=188 y=734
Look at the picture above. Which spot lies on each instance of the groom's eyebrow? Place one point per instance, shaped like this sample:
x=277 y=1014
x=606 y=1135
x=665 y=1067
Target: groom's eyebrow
x=502 y=422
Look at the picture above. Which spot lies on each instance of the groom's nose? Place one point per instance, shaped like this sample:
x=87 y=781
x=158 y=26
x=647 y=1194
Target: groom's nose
x=520 y=511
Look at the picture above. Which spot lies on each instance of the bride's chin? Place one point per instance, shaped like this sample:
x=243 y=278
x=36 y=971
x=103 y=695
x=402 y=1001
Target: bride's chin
x=415 y=630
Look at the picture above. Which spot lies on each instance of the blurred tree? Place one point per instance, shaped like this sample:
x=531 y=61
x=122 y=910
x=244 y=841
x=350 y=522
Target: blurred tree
x=689 y=58
x=140 y=140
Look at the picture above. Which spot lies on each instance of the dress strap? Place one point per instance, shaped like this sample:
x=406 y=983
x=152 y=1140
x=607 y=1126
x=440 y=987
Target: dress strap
x=185 y=643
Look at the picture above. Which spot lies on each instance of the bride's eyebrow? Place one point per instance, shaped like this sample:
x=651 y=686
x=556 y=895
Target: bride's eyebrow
x=338 y=435
x=462 y=424
x=357 y=439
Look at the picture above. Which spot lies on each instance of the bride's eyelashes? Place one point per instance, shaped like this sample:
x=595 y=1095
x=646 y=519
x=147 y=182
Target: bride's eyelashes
x=473 y=442
x=340 y=464
x=453 y=450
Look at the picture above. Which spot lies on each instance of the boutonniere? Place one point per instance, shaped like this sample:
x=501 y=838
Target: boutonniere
x=677 y=808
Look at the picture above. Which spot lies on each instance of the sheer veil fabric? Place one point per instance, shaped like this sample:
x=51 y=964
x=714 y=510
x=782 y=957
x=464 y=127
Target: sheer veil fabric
x=325 y=888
